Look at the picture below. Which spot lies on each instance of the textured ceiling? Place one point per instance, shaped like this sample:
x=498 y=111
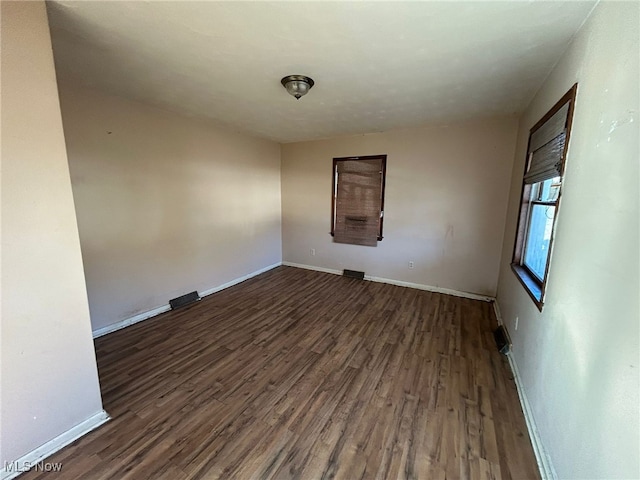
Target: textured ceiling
x=377 y=66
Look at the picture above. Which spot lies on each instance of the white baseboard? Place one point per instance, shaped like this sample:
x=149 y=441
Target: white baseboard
x=239 y=280
x=165 y=308
x=130 y=321
x=311 y=267
x=545 y=466
x=52 y=446
x=400 y=283
x=430 y=288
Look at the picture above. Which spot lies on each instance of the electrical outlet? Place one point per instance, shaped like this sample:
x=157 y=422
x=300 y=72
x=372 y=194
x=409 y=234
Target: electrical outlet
x=313 y=252
x=410 y=265
x=517 y=323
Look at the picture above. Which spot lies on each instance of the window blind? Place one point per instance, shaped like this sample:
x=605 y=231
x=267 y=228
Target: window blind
x=546 y=148
x=358 y=200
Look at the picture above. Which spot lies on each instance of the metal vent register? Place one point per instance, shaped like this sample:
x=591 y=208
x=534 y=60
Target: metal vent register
x=184 y=300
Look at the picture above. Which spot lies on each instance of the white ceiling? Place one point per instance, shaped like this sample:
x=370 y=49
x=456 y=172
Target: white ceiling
x=377 y=65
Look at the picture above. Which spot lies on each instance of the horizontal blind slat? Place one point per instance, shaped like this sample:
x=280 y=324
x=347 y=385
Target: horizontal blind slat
x=550 y=129
x=359 y=166
x=546 y=161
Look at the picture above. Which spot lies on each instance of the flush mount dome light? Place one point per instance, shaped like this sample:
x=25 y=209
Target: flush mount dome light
x=297 y=85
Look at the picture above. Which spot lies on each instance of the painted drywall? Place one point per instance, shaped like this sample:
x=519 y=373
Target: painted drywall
x=445 y=203
x=49 y=375
x=166 y=204
x=579 y=358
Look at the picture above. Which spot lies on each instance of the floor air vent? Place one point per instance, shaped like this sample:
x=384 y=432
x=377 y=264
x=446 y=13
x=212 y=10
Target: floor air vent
x=353 y=274
x=184 y=300
x=503 y=342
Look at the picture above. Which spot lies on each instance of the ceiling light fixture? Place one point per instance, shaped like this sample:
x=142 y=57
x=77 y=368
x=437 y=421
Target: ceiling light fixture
x=297 y=85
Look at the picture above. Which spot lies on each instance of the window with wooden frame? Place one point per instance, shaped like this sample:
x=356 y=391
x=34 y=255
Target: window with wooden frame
x=357 y=203
x=540 y=200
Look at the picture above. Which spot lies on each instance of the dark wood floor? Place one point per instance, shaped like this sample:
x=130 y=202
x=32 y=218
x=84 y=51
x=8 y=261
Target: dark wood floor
x=300 y=374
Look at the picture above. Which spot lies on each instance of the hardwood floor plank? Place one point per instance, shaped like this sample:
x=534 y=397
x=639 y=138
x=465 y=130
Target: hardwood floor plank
x=296 y=374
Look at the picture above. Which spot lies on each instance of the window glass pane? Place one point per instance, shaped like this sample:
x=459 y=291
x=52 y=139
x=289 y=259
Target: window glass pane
x=548 y=190
x=538 y=238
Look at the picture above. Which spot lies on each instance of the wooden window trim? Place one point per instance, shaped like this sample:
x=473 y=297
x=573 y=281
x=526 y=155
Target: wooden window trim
x=533 y=286
x=383 y=158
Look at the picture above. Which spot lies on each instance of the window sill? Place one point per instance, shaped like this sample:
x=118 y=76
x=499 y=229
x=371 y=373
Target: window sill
x=379 y=237
x=530 y=285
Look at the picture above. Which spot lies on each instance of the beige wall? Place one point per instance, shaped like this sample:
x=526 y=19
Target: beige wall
x=166 y=204
x=49 y=375
x=579 y=358
x=445 y=204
